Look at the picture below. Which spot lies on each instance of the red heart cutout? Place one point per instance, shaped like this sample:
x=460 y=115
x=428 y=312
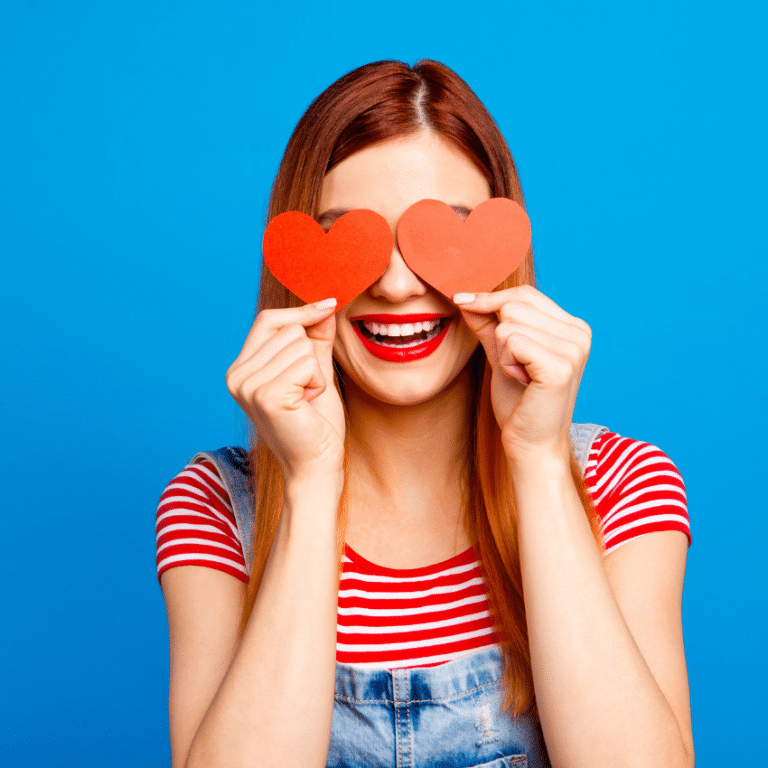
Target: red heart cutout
x=341 y=264
x=471 y=256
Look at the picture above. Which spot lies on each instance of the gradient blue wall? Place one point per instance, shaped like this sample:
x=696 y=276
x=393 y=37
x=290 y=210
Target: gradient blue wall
x=138 y=142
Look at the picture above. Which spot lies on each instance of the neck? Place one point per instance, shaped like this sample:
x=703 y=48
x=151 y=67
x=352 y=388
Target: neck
x=398 y=451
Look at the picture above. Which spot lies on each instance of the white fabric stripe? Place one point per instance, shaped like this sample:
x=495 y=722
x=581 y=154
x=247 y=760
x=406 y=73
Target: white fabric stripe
x=205 y=504
x=645 y=521
x=185 y=527
x=186 y=499
x=652 y=476
x=207 y=542
x=374 y=577
x=627 y=457
x=186 y=511
x=190 y=490
x=211 y=473
x=410 y=595
x=661 y=487
x=607 y=448
x=360 y=611
x=632 y=468
x=628 y=470
x=209 y=558
x=612 y=519
x=216 y=485
x=161 y=518
x=355 y=629
x=420 y=662
x=406 y=646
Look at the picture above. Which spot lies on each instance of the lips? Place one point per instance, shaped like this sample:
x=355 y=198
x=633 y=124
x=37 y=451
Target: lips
x=396 y=354
x=385 y=318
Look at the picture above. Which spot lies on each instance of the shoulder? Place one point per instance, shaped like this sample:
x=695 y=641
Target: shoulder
x=614 y=459
x=198 y=485
x=195 y=524
x=637 y=489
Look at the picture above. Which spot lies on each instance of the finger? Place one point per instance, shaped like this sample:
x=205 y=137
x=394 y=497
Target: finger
x=260 y=369
x=520 y=313
x=527 y=294
x=323 y=335
x=269 y=321
x=543 y=366
x=484 y=327
x=566 y=348
x=288 y=390
x=272 y=346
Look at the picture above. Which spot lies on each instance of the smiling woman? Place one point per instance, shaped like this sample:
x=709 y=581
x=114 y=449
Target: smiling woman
x=420 y=560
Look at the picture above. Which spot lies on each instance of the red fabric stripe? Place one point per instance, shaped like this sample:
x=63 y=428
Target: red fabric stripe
x=387 y=638
x=350 y=582
x=459 y=646
x=416 y=602
x=417 y=618
x=611 y=454
x=207 y=509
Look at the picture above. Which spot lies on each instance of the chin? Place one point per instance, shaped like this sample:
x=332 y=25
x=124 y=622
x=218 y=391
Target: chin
x=403 y=389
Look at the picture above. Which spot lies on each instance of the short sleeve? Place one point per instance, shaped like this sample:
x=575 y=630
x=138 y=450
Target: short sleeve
x=636 y=488
x=195 y=524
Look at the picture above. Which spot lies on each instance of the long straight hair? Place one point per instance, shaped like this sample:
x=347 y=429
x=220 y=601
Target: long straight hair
x=376 y=102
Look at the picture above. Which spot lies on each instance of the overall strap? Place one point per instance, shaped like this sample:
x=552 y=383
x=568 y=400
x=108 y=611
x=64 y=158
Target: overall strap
x=232 y=465
x=582 y=437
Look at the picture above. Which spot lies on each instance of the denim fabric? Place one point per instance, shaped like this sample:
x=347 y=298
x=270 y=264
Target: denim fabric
x=235 y=472
x=446 y=716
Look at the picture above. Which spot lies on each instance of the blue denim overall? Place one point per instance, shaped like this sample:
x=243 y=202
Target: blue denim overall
x=446 y=716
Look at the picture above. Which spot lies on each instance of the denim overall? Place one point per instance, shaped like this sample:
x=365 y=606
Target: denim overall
x=445 y=716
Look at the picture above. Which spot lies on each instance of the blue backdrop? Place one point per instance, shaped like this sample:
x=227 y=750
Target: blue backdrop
x=138 y=141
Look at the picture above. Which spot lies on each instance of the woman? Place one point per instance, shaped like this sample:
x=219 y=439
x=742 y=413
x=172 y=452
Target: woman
x=479 y=568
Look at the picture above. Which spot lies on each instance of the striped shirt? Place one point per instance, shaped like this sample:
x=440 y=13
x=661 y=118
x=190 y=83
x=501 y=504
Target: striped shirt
x=397 y=618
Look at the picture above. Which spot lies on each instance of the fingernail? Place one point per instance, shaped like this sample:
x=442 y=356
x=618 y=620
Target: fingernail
x=463 y=298
x=325 y=304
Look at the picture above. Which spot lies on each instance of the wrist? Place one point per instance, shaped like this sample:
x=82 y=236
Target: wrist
x=319 y=486
x=539 y=463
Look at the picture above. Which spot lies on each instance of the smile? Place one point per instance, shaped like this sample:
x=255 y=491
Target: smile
x=401 y=338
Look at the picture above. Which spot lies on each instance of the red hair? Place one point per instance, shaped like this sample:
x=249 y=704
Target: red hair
x=376 y=102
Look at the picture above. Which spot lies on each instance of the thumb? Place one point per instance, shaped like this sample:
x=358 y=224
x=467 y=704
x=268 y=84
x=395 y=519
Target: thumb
x=483 y=325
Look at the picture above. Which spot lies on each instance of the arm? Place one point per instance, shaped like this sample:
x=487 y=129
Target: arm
x=275 y=702
x=606 y=644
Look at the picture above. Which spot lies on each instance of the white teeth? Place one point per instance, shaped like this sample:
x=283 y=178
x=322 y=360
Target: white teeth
x=406 y=329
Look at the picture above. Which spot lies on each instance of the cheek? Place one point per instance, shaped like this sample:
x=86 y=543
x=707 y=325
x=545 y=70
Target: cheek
x=465 y=335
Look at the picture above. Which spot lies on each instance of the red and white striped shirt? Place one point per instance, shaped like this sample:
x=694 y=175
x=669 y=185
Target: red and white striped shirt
x=396 y=618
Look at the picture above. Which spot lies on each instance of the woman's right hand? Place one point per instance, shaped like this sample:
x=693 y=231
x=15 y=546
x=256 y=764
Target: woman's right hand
x=283 y=380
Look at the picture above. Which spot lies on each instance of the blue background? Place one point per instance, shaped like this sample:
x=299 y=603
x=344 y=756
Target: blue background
x=138 y=142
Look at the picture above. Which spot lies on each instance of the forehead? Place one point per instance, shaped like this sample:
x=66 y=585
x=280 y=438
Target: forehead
x=390 y=176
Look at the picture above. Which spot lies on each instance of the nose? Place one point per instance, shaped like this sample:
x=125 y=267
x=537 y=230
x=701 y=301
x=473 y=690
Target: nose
x=398 y=283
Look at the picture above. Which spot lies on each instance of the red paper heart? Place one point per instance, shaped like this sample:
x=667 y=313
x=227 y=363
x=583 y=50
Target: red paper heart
x=341 y=264
x=471 y=256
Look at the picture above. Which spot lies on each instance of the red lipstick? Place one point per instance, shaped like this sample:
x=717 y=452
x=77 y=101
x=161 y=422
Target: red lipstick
x=401 y=354
x=399 y=318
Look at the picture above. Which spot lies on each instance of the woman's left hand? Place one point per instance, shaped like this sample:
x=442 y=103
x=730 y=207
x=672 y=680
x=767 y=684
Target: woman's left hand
x=537 y=354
